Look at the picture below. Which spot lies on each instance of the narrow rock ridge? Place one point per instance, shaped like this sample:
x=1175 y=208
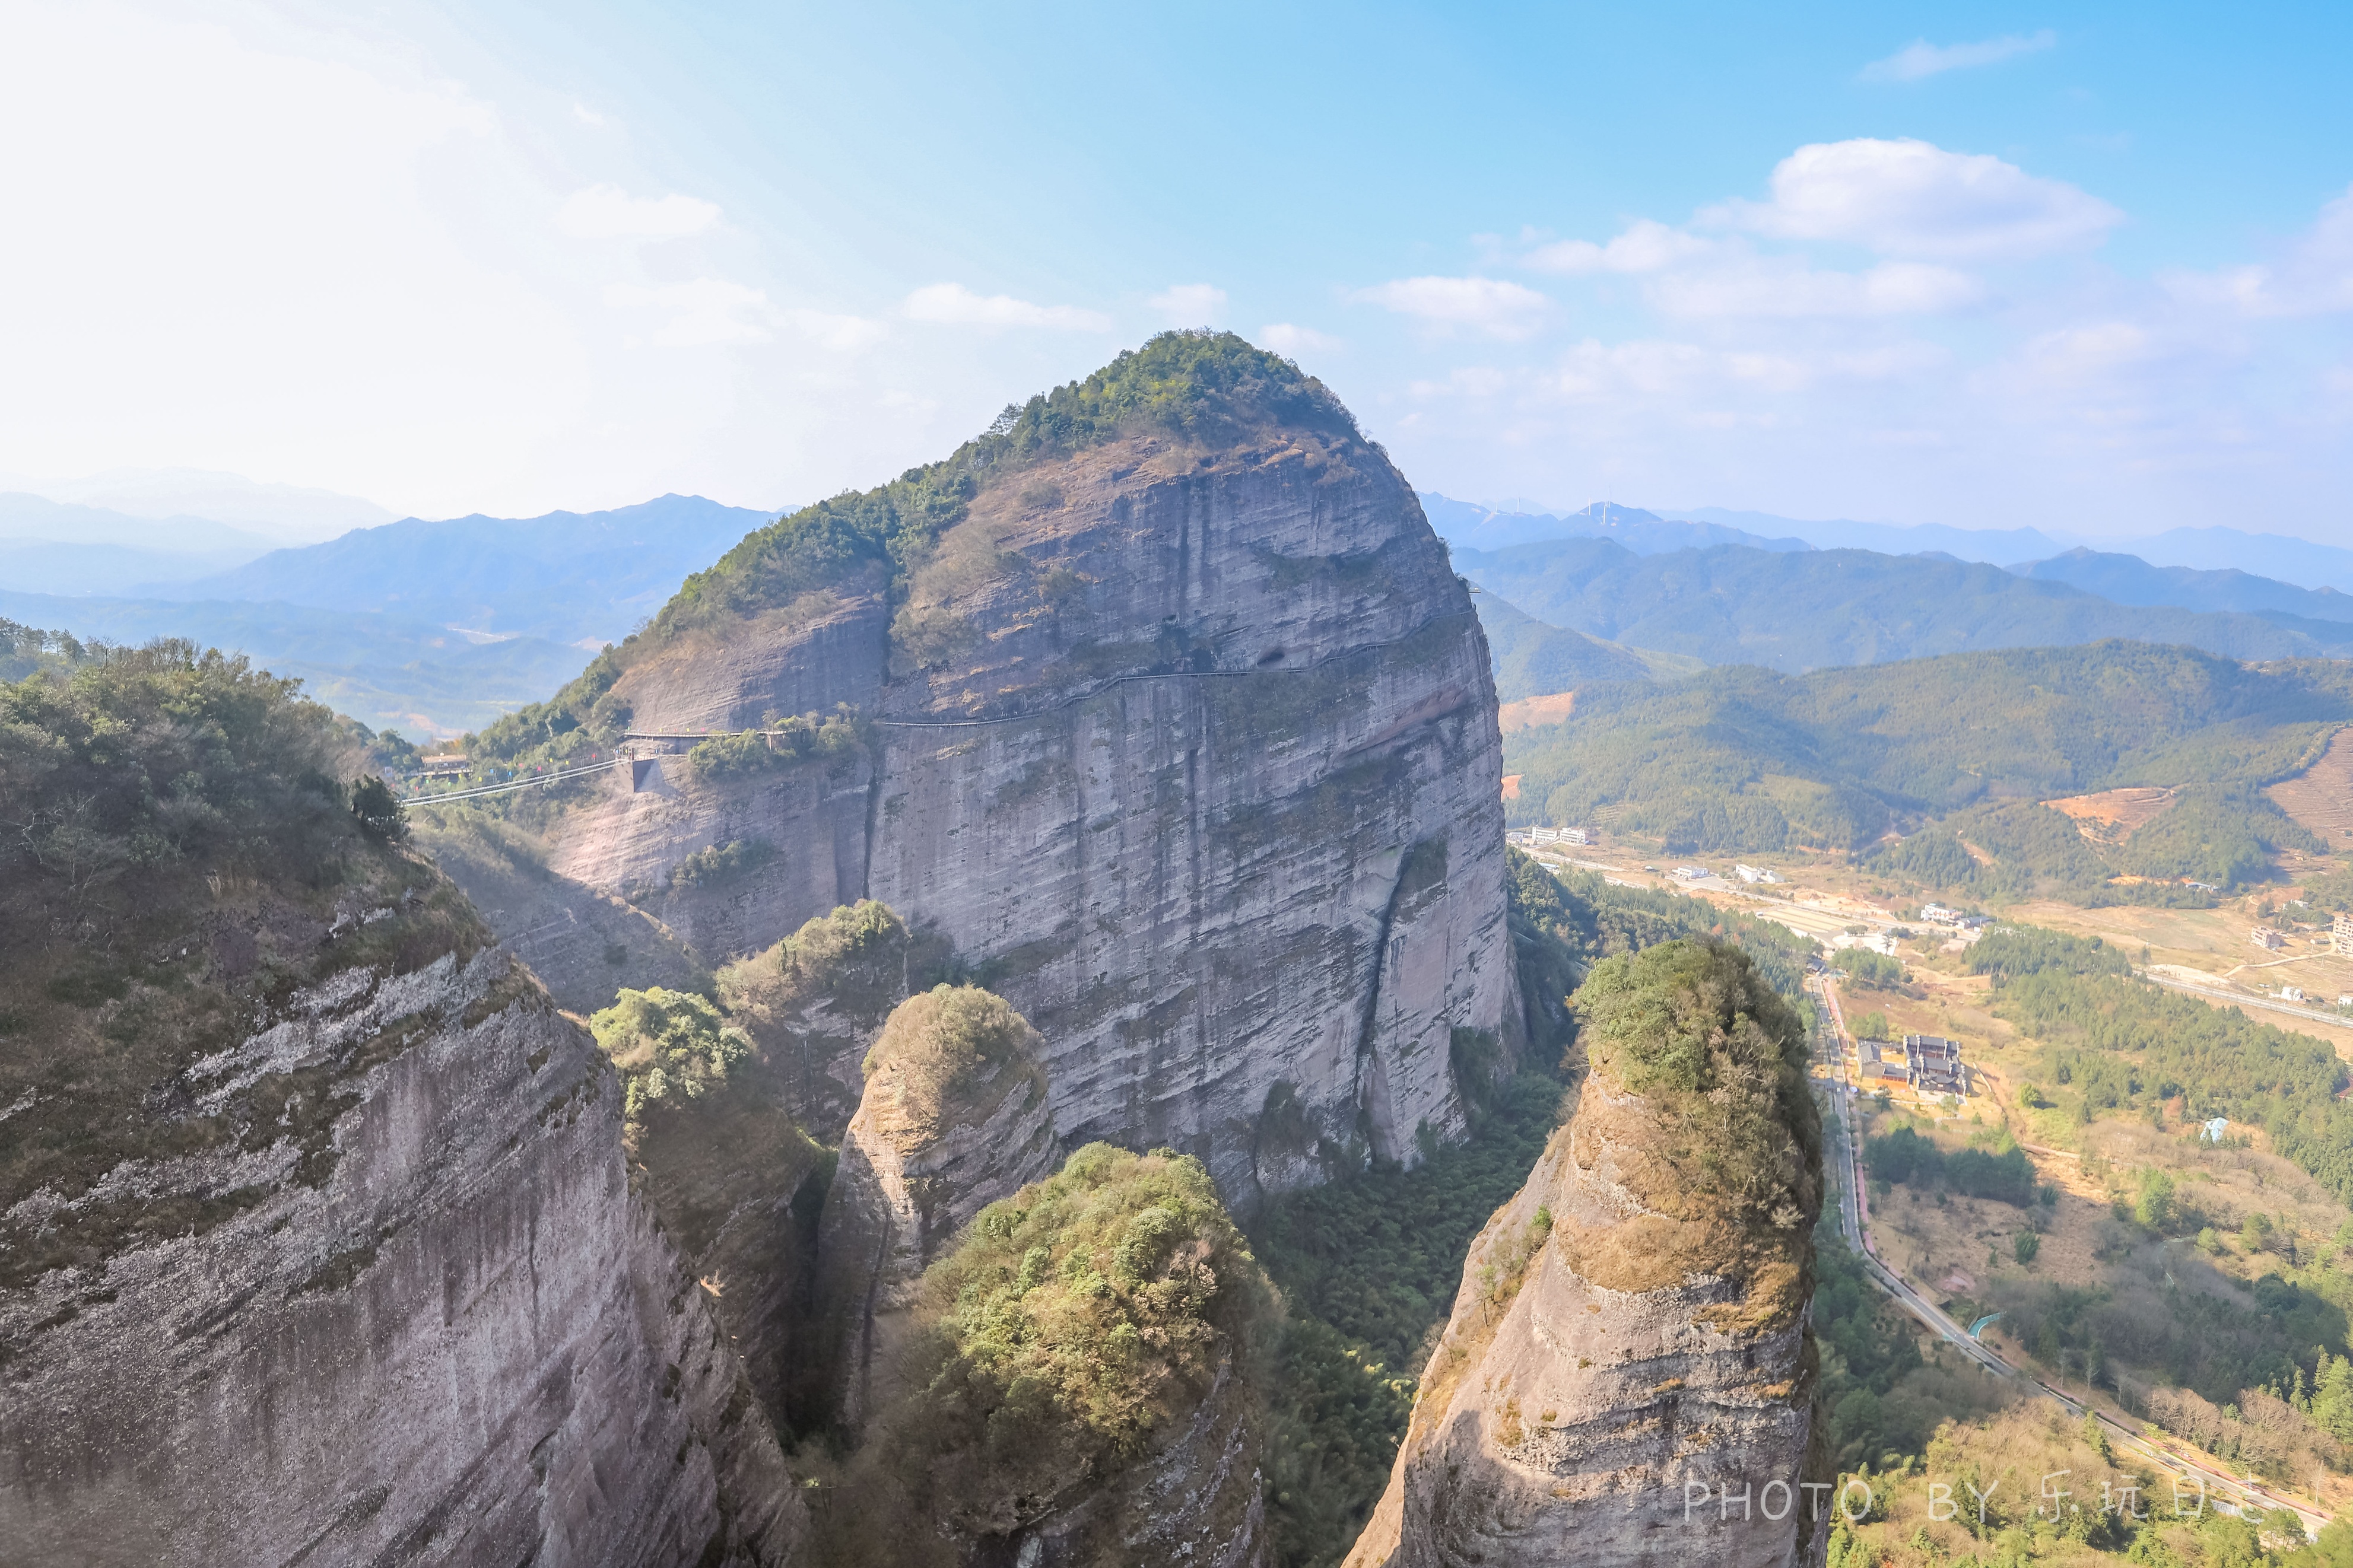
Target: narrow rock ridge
x=462 y=1341
x=1190 y=750
x=1617 y=1358
x=956 y=1116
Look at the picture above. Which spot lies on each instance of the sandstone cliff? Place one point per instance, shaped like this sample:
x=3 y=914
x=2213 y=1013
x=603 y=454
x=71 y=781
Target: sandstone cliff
x=954 y=1116
x=316 y=1242
x=1629 y=1358
x=1170 y=717
x=442 y=1330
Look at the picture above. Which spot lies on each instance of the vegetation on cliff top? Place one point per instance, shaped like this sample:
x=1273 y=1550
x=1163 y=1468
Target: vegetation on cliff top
x=181 y=852
x=667 y=1044
x=944 y=1056
x=1205 y=387
x=1731 y=1129
x=1075 y=1324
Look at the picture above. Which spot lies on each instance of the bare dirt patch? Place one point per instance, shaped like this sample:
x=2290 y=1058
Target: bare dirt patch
x=2112 y=816
x=2320 y=798
x=1532 y=712
x=1511 y=786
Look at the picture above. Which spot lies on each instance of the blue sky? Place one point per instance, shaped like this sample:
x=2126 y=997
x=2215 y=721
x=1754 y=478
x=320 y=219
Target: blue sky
x=2088 y=269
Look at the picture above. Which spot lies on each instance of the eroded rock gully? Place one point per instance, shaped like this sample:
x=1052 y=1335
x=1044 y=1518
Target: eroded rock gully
x=467 y=1344
x=1191 y=754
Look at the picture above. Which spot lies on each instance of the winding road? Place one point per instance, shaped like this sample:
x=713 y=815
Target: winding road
x=1844 y=1157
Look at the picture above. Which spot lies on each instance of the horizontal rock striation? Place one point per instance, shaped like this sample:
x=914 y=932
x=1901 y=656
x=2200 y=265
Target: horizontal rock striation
x=1186 y=743
x=446 y=1334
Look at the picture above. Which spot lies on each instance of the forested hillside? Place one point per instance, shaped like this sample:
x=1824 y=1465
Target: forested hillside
x=1532 y=658
x=1742 y=758
x=1800 y=610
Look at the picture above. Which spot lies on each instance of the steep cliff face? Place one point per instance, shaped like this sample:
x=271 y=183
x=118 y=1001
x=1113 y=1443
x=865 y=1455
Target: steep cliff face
x=443 y=1333
x=955 y=1117
x=1182 y=734
x=1628 y=1374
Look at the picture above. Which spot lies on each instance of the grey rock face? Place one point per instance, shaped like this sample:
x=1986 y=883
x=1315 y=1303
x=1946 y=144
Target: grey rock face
x=1567 y=1422
x=461 y=1343
x=907 y=1184
x=1193 y=753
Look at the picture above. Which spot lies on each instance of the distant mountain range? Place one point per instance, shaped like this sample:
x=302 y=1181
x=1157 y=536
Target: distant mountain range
x=2129 y=580
x=1800 y=610
x=387 y=672
x=2290 y=561
x=585 y=578
x=1643 y=533
x=432 y=627
x=284 y=514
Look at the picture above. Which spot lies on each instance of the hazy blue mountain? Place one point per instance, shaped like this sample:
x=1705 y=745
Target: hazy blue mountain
x=2129 y=580
x=31 y=519
x=1999 y=546
x=2274 y=555
x=53 y=568
x=385 y=671
x=1801 y=610
x=576 y=577
x=288 y=514
x=1643 y=533
x=1532 y=658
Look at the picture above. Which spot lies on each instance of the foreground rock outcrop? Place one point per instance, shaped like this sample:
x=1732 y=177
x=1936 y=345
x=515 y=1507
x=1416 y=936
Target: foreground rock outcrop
x=1630 y=1358
x=316 y=1241
x=1159 y=702
x=955 y=1117
x=444 y=1331
x=1078 y=1386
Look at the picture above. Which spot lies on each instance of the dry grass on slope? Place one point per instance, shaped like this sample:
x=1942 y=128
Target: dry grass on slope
x=1698 y=1107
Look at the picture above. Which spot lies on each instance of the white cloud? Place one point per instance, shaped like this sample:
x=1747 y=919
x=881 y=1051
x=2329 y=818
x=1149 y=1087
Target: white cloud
x=710 y=310
x=1922 y=58
x=1284 y=338
x=587 y=116
x=1779 y=286
x=1489 y=307
x=608 y=212
x=1646 y=246
x=2314 y=277
x=1913 y=198
x=1190 y=305
x=956 y=305
x=2073 y=354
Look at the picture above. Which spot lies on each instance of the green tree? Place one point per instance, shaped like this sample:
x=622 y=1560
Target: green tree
x=379 y=810
x=2153 y=1205
x=2024 y=1245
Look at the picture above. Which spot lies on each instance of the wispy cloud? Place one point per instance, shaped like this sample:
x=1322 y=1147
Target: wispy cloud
x=1908 y=197
x=608 y=212
x=954 y=304
x=1190 y=305
x=1647 y=246
x=1284 y=338
x=1490 y=307
x=1920 y=59
x=2312 y=277
x=713 y=310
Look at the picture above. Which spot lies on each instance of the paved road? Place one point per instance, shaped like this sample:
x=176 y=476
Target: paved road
x=1843 y=1157
x=2240 y=999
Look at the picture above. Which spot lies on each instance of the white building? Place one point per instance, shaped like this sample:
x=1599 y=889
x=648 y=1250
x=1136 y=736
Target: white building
x=1755 y=873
